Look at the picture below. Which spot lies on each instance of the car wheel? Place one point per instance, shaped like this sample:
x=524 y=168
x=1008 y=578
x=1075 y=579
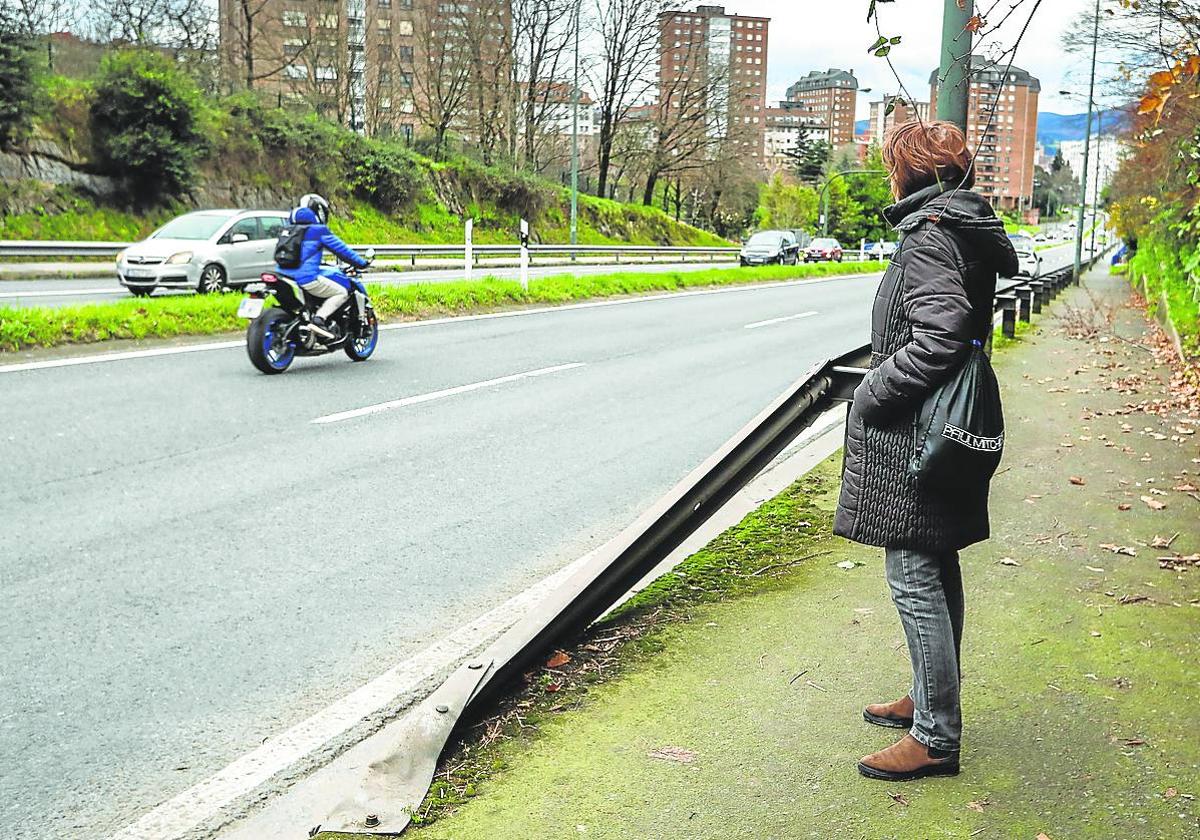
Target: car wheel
x=141 y=291
x=212 y=279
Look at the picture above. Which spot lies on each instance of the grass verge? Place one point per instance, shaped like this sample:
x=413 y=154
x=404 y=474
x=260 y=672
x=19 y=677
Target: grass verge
x=22 y=329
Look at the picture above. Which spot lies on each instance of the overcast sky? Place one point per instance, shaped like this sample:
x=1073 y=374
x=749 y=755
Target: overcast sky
x=819 y=34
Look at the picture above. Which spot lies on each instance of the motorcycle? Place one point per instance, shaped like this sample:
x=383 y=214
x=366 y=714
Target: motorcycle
x=278 y=334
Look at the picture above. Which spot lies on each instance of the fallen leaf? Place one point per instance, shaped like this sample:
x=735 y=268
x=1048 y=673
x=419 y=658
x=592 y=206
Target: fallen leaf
x=1134 y=742
x=847 y=564
x=1008 y=561
x=1170 y=793
x=1186 y=488
x=1124 y=506
x=978 y=806
x=1042 y=836
x=678 y=754
x=1162 y=542
x=898 y=797
x=1119 y=549
x=558 y=660
x=1093 y=568
x=553 y=688
x=1077 y=481
x=1095 y=633
x=1153 y=503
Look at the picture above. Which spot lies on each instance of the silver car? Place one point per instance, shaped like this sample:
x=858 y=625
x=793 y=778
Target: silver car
x=208 y=250
x=1028 y=260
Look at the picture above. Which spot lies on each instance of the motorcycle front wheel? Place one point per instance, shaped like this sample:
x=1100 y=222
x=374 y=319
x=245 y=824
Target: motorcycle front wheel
x=360 y=348
x=268 y=350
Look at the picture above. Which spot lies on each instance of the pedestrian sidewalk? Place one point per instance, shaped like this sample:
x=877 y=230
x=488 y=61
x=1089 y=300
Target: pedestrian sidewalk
x=1081 y=652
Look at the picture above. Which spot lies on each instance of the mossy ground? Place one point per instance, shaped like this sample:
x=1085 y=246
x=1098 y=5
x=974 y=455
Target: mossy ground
x=1081 y=665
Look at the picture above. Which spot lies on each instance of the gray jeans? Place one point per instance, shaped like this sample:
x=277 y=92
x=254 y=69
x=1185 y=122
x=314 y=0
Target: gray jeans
x=928 y=593
x=335 y=295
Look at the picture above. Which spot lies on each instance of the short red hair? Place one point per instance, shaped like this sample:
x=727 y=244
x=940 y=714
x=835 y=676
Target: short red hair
x=919 y=154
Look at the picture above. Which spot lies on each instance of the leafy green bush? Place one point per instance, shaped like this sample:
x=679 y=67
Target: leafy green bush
x=17 y=85
x=145 y=122
x=388 y=177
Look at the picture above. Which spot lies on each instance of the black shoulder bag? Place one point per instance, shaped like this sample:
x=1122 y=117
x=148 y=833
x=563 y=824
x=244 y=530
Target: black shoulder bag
x=959 y=433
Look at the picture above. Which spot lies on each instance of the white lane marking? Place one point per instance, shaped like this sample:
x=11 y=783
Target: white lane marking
x=120 y=357
x=438 y=395
x=771 y=321
x=455 y=319
x=197 y=804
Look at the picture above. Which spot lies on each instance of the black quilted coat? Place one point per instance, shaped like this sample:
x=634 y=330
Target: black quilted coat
x=934 y=298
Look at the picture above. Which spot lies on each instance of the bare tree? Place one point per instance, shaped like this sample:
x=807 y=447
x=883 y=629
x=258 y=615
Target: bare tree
x=627 y=31
x=542 y=53
x=692 y=115
x=253 y=46
x=485 y=30
x=41 y=18
x=442 y=72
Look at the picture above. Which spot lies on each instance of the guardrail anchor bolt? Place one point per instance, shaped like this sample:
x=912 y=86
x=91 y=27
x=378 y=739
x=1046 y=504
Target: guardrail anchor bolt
x=442 y=708
x=372 y=821
x=475 y=666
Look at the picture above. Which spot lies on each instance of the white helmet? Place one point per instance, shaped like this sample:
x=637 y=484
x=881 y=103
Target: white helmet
x=318 y=205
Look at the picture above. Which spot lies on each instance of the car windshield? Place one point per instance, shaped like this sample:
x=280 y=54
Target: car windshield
x=823 y=243
x=765 y=238
x=192 y=226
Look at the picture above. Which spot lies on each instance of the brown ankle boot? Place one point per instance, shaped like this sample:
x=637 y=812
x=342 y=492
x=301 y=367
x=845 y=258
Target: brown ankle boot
x=897 y=715
x=908 y=759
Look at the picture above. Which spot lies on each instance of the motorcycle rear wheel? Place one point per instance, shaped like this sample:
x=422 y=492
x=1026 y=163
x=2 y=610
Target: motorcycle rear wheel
x=266 y=347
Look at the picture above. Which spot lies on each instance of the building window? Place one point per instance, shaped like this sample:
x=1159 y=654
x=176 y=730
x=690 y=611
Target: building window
x=329 y=20
x=291 y=17
x=406 y=53
x=384 y=24
x=405 y=27
x=296 y=71
x=385 y=52
x=327 y=74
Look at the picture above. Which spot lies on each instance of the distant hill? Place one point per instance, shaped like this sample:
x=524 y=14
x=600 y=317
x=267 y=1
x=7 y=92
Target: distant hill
x=1054 y=128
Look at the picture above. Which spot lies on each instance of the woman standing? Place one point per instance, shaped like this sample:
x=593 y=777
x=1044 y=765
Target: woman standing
x=933 y=301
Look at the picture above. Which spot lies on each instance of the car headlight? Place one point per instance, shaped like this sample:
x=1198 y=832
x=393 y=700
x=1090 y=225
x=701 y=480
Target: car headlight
x=180 y=258
x=120 y=256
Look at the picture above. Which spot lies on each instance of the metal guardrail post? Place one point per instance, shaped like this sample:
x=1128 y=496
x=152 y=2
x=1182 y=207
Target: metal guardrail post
x=1008 y=324
x=1039 y=295
x=1025 y=303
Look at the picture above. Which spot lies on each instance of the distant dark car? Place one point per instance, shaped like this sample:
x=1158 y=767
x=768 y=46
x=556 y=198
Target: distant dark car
x=770 y=246
x=820 y=250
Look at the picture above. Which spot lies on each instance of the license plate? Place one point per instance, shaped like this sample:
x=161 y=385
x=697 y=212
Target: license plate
x=250 y=308
x=139 y=272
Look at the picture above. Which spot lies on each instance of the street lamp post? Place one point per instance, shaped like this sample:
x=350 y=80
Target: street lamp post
x=1096 y=188
x=1087 y=142
x=954 y=88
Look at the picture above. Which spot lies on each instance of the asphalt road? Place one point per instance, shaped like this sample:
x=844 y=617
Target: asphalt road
x=190 y=564
x=69 y=292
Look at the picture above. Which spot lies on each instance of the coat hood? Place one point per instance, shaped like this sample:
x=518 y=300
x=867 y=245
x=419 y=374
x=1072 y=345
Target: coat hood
x=965 y=211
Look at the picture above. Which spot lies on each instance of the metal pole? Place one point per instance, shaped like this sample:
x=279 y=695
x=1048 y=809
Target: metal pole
x=1087 y=141
x=468 y=250
x=954 y=86
x=575 y=138
x=1096 y=190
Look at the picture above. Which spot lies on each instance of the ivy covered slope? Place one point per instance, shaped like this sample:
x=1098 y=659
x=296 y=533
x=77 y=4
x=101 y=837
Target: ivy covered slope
x=1156 y=201
x=148 y=145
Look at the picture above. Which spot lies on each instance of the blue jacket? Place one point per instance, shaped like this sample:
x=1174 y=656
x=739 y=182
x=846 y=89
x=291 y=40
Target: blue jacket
x=317 y=238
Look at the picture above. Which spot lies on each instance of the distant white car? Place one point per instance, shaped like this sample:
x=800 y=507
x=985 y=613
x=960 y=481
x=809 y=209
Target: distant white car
x=208 y=250
x=1041 y=237
x=882 y=250
x=1028 y=262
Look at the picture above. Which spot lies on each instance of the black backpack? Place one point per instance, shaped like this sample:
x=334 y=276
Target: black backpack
x=287 y=247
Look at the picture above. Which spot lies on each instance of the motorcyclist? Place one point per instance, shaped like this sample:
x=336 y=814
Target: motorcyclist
x=321 y=281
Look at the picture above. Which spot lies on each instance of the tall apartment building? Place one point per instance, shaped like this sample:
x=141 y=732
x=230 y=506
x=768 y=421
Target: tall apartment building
x=355 y=60
x=1104 y=158
x=728 y=50
x=829 y=99
x=1002 y=124
x=902 y=112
